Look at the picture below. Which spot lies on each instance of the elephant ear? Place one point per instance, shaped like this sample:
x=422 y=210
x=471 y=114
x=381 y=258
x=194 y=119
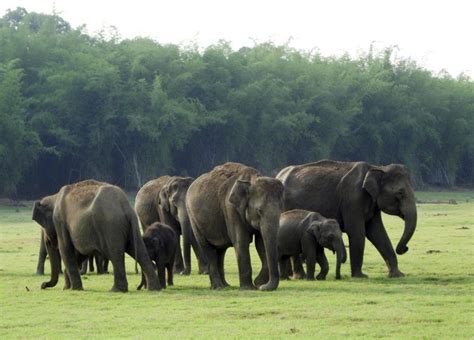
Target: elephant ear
x=372 y=182
x=38 y=212
x=315 y=229
x=163 y=199
x=239 y=195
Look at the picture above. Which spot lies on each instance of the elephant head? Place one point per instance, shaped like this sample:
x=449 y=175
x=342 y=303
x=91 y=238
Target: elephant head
x=172 y=198
x=391 y=190
x=329 y=235
x=43 y=214
x=259 y=202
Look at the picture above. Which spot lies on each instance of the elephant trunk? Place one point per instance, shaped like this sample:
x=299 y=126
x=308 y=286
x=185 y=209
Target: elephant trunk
x=185 y=231
x=341 y=256
x=409 y=214
x=55 y=260
x=269 y=234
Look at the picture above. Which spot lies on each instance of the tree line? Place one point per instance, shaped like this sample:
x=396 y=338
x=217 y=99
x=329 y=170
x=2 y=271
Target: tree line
x=76 y=106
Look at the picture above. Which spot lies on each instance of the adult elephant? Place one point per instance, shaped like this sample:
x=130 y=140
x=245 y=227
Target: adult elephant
x=91 y=217
x=163 y=200
x=355 y=194
x=227 y=207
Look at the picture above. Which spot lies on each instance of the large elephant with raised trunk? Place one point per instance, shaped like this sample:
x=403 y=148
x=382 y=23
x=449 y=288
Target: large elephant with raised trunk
x=86 y=218
x=355 y=194
x=228 y=206
x=163 y=199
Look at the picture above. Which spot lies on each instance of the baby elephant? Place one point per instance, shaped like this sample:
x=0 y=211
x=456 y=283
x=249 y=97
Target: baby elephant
x=161 y=242
x=308 y=233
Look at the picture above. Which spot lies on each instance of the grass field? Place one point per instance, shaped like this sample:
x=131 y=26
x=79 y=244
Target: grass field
x=434 y=300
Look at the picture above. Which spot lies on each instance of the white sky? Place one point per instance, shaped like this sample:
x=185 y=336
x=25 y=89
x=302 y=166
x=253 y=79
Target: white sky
x=437 y=34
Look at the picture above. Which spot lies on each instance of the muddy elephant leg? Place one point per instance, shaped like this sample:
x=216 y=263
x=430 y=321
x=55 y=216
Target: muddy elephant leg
x=298 y=270
x=243 y=260
x=264 y=274
x=322 y=260
x=377 y=235
x=41 y=256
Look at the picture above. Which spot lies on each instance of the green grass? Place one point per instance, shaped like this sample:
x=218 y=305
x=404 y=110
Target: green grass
x=434 y=300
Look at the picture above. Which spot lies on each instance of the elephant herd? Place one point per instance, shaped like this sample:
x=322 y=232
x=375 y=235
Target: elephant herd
x=291 y=218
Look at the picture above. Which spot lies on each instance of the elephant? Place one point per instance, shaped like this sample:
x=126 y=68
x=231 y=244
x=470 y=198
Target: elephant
x=308 y=233
x=163 y=199
x=355 y=194
x=227 y=207
x=43 y=254
x=91 y=217
x=160 y=241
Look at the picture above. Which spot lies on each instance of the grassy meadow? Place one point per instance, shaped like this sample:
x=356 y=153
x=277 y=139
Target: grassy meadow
x=434 y=300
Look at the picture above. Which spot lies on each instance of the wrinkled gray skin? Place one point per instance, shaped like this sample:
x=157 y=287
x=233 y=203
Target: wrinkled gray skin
x=163 y=199
x=91 y=217
x=308 y=233
x=227 y=207
x=160 y=241
x=355 y=194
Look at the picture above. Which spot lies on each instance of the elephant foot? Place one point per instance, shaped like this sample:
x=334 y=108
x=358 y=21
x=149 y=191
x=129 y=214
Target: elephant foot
x=269 y=286
x=186 y=272
x=260 y=280
x=40 y=272
x=119 y=289
x=298 y=276
x=321 y=277
x=338 y=276
x=178 y=270
x=218 y=286
x=309 y=278
x=395 y=273
x=248 y=286
x=360 y=275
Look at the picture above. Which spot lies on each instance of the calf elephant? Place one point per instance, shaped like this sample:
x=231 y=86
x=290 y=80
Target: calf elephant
x=160 y=241
x=308 y=233
x=227 y=207
x=91 y=217
x=163 y=199
x=355 y=194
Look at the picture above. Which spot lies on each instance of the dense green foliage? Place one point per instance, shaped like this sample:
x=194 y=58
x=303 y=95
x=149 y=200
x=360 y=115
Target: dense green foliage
x=434 y=300
x=75 y=106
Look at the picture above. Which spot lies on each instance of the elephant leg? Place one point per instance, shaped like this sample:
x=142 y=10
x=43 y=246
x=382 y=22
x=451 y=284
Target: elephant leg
x=70 y=260
x=120 y=278
x=310 y=265
x=83 y=267
x=377 y=235
x=243 y=260
x=298 y=270
x=220 y=265
x=213 y=264
x=67 y=280
x=178 y=259
x=160 y=268
x=142 y=282
x=264 y=275
x=41 y=256
x=356 y=249
x=169 y=269
x=91 y=263
x=186 y=253
x=141 y=256
x=202 y=262
x=283 y=264
x=322 y=260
